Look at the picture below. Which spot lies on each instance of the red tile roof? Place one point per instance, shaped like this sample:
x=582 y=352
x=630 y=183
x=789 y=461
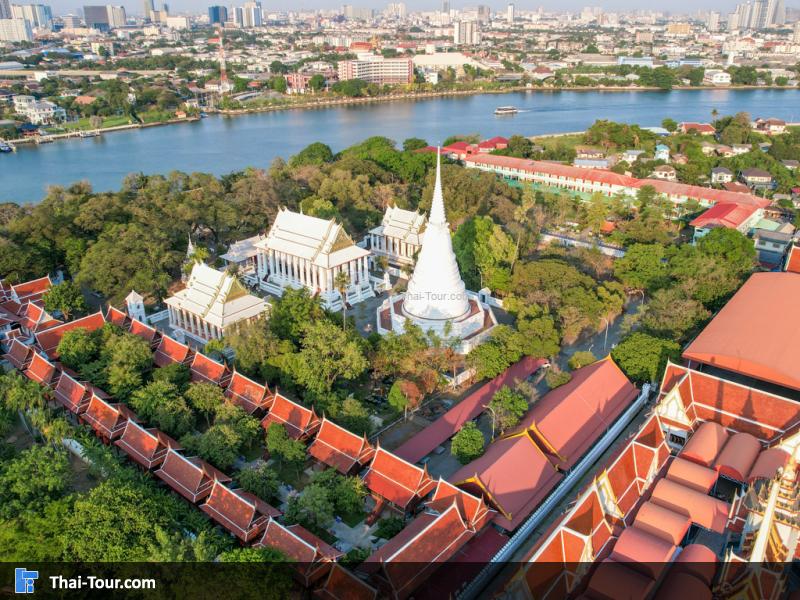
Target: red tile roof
x=704 y=128
x=32 y=290
x=746 y=337
x=470 y=407
x=48 y=339
x=18 y=355
x=738 y=456
x=34 y=318
x=117 y=317
x=239 y=515
x=415 y=553
x=642 y=551
x=299 y=421
x=396 y=480
x=205 y=370
x=568 y=173
x=793 y=260
x=473 y=509
x=41 y=370
x=72 y=395
x=571 y=418
x=247 y=394
x=339 y=448
x=107 y=419
x=662 y=523
x=147 y=447
x=297 y=543
x=692 y=475
x=192 y=478
x=724 y=214
x=513 y=474
x=706 y=443
x=147 y=333
x=703 y=510
x=610 y=577
x=343 y=585
x=768 y=463
x=170 y=351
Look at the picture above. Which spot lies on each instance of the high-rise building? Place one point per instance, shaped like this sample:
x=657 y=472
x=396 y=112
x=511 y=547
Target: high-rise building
x=484 y=13
x=5 y=9
x=712 y=21
x=446 y=7
x=396 y=10
x=38 y=15
x=377 y=69
x=797 y=32
x=466 y=33
x=104 y=17
x=510 y=12
x=238 y=16
x=217 y=14
x=149 y=7
x=15 y=30
x=251 y=14
x=759 y=14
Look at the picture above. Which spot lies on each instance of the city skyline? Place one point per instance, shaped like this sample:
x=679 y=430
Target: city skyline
x=134 y=7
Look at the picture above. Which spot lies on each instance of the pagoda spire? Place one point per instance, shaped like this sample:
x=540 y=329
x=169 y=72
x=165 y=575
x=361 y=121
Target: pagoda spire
x=436 y=291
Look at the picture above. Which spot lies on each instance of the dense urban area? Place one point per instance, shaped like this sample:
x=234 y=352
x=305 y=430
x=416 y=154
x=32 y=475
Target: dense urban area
x=519 y=367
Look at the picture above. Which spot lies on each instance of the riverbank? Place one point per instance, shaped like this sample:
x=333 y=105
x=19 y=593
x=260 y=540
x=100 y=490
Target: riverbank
x=77 y=133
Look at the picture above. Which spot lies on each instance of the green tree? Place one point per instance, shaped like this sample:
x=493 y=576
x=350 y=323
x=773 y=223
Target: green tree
x=328 y=354
x=507 y=408
x=260 y=480
x=77 y=348
x=643 y=357
x=314 y=154
x=290 y=315
x=669 y=124
x=32 y=479
x=176 y=374
x=317 y=82
x=219 y=445
x=66 y=298
x=205 y=398
x=642 y=268
x=413 y=143
x=161 y=404
x=468 y=444
x=581 y=359
x=287 y=451
x=313 y=509
x=131 y=360
x=556 y=378
x=484 y=252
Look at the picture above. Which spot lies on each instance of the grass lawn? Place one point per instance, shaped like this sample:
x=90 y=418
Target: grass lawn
x=354 y=518
x=569 y=141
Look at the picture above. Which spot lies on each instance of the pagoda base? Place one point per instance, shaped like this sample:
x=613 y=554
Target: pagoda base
x=470 y=329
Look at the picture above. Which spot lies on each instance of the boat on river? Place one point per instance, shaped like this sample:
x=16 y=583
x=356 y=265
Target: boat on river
x=506 y=110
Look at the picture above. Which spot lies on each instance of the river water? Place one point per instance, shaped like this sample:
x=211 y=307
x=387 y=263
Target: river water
x=220 y=145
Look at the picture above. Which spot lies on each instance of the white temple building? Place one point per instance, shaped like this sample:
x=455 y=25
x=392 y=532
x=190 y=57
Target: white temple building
x=212 y=303
x=304 y=251
x=243 y=255
x=398 y=237
x=436 y=299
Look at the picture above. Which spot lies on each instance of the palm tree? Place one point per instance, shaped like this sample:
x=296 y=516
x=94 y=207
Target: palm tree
x=714 y=114
x=341 y=282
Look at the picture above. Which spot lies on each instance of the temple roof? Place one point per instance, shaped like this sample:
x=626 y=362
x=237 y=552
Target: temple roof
x=436 y=291
x=242 y=250
x=322 y=242
x=217 y=298
x=406 y=225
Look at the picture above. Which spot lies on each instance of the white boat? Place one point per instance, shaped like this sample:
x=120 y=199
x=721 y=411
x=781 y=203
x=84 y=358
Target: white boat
x=89 y=134
x=506 y=110
x=5 y=148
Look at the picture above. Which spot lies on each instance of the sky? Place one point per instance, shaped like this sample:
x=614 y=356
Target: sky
x=197 y=6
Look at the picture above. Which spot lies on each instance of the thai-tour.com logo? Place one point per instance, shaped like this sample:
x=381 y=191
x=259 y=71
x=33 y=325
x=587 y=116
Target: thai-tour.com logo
x=25 y=580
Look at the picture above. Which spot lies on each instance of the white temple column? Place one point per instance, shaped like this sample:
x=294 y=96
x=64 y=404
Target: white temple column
x=206 y=331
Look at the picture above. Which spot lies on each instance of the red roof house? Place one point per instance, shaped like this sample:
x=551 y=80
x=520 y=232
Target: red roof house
x=701 y=128
x=338 y=448
x=473 y=509
x=300 y=422
x=147 y=333
x=31 y=291
x=117 y=317
x=34 y=318
x=755 y=333
x=243 y=514
x=397 y=481
x=730 y=215
x=793 y=260
x=71 y=394
x=341 y=584
x=108 y=420
x=313 y=556
x=171 y=351
x=49 y=338
x=192 y=478
x=248 y=394
x=19 y=355
x=205 y=370
x=41 y=370
x=411 y=557
x=146 y=447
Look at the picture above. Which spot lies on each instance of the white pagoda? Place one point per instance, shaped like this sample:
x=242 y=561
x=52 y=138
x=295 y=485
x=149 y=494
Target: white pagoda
x=436 y=299
x=305 y=251
x=212 y=303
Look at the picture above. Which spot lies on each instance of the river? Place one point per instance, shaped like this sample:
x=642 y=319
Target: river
x=220 y=145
